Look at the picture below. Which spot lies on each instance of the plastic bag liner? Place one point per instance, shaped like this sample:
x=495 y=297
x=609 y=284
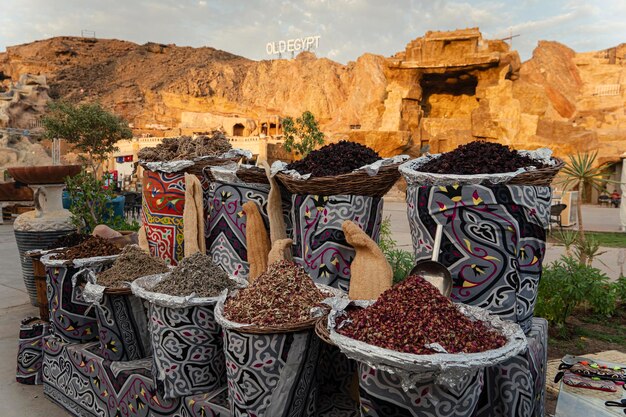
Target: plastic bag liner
x=122 y=323
x=226 y=235
x=71 y=318
x=272 y=374
x=319 y=244
x=493 y=242
x=182 y=164
x=187 y=355
x=441 y=368
x=411 y=171
x=30 y=352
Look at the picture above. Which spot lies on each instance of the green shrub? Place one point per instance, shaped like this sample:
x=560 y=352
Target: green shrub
x=567 y=284
x=401 y=261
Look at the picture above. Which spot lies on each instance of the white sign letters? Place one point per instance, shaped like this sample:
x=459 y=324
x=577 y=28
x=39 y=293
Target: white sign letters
x=293 y=45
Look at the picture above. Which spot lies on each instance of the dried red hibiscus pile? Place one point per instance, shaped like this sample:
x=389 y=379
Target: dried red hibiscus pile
x=412 y=314
x=284 y=294
x=335 y=159
x=479 y=157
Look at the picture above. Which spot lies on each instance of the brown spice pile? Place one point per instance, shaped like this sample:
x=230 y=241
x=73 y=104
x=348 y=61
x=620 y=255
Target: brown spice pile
x=131 y=264
x=412 y=314
x=93 y=246
x=185 y=147
x=283 y=294
x=195 y=274
x=70 y=240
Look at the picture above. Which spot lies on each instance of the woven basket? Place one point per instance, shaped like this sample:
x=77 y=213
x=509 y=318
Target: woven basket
x=285 y=328
x=321 y=329
x=118 y=291
x=540 y=177
x=353 y=183
x=254 y=175
x=198 y=167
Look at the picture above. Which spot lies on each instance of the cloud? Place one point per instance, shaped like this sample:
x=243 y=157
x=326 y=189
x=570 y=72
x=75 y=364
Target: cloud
x=348 y=28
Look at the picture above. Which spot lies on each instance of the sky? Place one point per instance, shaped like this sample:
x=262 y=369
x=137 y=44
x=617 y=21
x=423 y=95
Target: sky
x=347 y=28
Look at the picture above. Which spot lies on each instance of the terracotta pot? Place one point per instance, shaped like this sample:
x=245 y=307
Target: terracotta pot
x=49 y=174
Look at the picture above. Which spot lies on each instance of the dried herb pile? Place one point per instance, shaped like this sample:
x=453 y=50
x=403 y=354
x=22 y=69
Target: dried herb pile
x=186 y=147
x=90 y=247
x=335 y=159
x=195 y=274
x=130 y=265
x=70 y=240
x=284 y=294
x=412 y=314
x=479 y=157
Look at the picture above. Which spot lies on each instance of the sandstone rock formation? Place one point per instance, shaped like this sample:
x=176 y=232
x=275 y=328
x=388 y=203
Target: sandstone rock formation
x=444 y=89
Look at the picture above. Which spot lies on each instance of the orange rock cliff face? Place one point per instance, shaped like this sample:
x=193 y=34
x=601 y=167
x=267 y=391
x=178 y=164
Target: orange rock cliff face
x=444 y=89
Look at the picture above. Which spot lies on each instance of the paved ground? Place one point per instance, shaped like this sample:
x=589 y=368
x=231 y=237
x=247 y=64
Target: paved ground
x=18 y=400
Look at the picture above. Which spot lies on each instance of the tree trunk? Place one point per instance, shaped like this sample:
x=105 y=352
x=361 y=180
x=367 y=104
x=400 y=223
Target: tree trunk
x=581 y=228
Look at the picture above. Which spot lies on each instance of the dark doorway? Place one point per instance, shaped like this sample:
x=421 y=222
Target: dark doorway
x=456 y=90
x=238 y=129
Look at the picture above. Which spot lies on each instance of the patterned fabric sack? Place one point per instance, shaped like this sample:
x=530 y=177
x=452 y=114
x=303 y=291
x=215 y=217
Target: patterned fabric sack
x=272 y=375
x=78 y=379
x=493 y=243
x=382 y=396
x=516 y=388
x=71 y=318
x=163 y=202
x=122 y=328
x=338 y=383
x=29 y=350
x=226 y=236
x=188 y=357
x=319 y=244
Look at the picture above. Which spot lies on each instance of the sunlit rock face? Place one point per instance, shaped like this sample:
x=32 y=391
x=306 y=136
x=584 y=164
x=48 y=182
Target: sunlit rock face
x=444 y=89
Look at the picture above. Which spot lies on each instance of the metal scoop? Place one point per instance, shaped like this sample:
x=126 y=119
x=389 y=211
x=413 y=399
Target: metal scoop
x=433 y=271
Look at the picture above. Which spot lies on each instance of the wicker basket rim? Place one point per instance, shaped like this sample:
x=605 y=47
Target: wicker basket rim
x=333 y=178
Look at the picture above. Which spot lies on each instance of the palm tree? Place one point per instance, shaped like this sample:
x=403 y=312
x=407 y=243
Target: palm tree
x=579 y=171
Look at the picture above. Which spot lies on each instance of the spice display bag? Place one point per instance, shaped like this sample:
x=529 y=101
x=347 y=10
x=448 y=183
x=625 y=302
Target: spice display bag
x=337 y=379
x=78 y=379
x=226 y=236
x=319 y=244
x=122 y=323
x=270 y=375
x=71 y=318
x=382 y=395
x=163 y=204
x=29 y=350
x=516 y=387
x=187 y=354
x=493 y=242
x=445 y=369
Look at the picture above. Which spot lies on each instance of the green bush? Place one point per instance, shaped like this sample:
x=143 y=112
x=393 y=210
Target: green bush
x=88 y=198
x=401 y=261
x=567 y=284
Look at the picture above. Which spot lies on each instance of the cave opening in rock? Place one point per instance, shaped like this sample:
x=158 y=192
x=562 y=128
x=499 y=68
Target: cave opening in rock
x=449 y=95
x=238 y=129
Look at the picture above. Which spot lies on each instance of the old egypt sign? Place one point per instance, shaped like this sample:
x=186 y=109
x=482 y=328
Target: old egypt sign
x=293 y=45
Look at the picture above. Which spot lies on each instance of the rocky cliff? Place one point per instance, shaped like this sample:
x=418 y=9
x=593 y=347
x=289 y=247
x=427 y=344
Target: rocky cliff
x=446 y=88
